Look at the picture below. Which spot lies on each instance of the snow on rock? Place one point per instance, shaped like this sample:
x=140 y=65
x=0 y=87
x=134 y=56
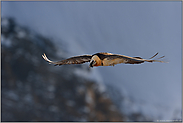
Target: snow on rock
x=91 y=74
x=33 y=90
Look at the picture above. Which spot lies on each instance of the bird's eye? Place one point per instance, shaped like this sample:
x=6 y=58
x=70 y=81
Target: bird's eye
x=93 y=62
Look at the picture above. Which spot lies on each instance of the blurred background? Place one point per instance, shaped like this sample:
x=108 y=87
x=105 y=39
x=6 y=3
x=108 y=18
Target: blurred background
x=33 y=90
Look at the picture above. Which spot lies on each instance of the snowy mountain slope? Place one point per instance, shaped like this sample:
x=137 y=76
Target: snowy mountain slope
x=129 y=28
x=33 y=90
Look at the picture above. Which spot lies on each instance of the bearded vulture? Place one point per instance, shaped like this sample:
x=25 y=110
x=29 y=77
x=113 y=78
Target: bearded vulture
x=103 y=59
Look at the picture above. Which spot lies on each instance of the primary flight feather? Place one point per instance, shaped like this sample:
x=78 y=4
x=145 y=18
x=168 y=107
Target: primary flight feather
x=103 y=59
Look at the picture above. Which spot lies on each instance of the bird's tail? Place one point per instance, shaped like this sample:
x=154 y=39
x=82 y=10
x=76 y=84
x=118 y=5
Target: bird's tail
x=156 y=60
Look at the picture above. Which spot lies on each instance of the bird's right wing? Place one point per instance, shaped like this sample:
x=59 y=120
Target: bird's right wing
x=116 y=59
x=72 y=60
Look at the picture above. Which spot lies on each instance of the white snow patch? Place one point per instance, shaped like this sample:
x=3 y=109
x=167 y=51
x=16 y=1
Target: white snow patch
x=53 y=108
x=12 y=95
x=86 y=109
x=70 y=103
x=51 y=88
x=20 y=32
x=4 y=22
x=88 y=98
x=5 y=42
x=28 y=98
x=92 y=74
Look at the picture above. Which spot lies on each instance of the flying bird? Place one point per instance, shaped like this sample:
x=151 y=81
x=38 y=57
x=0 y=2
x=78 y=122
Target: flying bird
x=103 y=59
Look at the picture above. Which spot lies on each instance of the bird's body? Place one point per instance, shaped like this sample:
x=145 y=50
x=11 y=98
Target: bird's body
x=103 y=59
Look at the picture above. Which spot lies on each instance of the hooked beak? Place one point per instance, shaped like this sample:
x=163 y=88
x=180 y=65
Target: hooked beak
x=91 y=63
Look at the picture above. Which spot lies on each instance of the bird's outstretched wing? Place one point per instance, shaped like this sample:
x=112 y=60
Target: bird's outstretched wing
x=116 y=59
x=72 y=60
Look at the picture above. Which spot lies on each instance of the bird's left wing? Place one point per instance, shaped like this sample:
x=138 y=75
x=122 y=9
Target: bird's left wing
x=72 y=60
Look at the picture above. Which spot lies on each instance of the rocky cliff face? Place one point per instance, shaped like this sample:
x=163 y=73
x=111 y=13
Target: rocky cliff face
x=33 y=90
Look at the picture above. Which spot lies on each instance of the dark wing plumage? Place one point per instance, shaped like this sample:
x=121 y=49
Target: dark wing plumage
x=131 y=60
x=125 y=59
x=72 y=60
x=103 y=55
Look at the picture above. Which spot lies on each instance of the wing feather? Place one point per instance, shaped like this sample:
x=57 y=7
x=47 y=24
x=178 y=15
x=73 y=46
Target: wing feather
x=72 y=60
x=116 y=59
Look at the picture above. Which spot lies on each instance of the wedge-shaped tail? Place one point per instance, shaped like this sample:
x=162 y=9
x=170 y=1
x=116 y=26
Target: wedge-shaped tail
x=155 y=60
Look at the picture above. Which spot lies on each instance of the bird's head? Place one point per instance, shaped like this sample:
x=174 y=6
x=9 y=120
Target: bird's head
x=92 y=63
